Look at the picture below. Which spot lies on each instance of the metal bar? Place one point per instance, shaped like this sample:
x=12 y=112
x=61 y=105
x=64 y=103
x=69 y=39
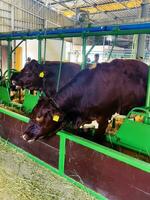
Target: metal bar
x=111 y=50
x=128 y=29
x=39 y=50
x=62 y=152
x=62 y=1
x=17 y=46
x=148 y=90
x=1 y=70
x=14 y=115
x=123 y=32
x=60 y=66
x=45 y=50
x=107 y=151
x=9 y=60
x=83 y=52
x=142 y=38
x=90 y=50
x=26 y=49
x=134 y=46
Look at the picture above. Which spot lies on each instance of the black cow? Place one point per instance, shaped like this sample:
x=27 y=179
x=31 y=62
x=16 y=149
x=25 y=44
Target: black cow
x=98 y=93
x=43 y=77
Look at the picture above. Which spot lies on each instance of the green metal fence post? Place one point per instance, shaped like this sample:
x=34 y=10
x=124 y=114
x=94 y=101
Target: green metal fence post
x=134 y=46
x=60 y=66
x=39 y=50
x=148 y=90
x=9 y=60
x=45 y=41
x=62 y=153
x=26 y=49
x=89 y=51
x=17 y=46
x=111 y=50
x=83 y=52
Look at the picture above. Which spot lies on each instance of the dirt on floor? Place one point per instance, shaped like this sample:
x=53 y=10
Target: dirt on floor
x=23 y=179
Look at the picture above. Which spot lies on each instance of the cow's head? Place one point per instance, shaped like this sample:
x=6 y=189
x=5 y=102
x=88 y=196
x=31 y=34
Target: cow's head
x=46 y=119
x=30 y=76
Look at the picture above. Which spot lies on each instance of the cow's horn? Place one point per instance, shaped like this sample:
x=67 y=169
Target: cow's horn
x=39 y=119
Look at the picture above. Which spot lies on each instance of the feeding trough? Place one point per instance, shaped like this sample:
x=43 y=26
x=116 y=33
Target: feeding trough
x=134 y=134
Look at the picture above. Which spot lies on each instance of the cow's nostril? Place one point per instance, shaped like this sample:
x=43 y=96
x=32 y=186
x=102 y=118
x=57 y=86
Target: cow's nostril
x=25 y=137
x=14 y=82
x=31 y=140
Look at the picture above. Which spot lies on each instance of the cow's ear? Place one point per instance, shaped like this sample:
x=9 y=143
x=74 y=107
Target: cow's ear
x=34 y=64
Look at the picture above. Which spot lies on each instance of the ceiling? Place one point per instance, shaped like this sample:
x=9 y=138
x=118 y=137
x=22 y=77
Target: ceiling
x=100 y=11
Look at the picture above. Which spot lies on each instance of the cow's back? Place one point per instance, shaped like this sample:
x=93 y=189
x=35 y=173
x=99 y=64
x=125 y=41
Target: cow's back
x=68 y=71
x=110 y=87
x=128 y=81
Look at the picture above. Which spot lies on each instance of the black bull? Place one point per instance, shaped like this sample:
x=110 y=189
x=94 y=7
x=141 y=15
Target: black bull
x=92 y=94
x=43 y=77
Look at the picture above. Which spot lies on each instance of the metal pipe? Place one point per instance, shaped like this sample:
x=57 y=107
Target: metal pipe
x=90 y=50
x=26 y=49
x=142 y=38
x=17 y=46
x=60 y=66
x=148 y=90
x=128 y=29
x=111 y=50
x=83 y=52
x=39 y=50
x=9 y=60
x=45 y=50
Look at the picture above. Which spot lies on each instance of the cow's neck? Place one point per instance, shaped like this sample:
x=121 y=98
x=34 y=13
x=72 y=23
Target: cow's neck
x=68 y=99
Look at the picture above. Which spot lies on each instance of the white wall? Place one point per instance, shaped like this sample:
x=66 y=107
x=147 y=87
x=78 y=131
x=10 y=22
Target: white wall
x=53 y=50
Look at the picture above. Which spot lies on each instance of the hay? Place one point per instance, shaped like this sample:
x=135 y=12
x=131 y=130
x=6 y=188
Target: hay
x=13 y=109
x=23 y=179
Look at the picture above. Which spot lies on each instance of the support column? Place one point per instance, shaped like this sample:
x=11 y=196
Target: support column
x=45 y=41
x=83 y=52
x=60 y=66
x=39 y=51
x=9 y=60
x=26 y=49
x=148 y=90
x=142 y=37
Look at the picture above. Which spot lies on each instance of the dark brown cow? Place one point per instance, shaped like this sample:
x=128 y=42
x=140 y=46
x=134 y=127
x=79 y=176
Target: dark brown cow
x=43 y=77
x=98 y=93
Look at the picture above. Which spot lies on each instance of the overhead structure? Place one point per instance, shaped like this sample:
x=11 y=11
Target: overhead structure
x=127 y=29
x=101 y=11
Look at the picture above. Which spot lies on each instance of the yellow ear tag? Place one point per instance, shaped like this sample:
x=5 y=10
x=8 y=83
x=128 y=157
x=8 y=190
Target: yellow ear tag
x=41 y=74
x=56 y=118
